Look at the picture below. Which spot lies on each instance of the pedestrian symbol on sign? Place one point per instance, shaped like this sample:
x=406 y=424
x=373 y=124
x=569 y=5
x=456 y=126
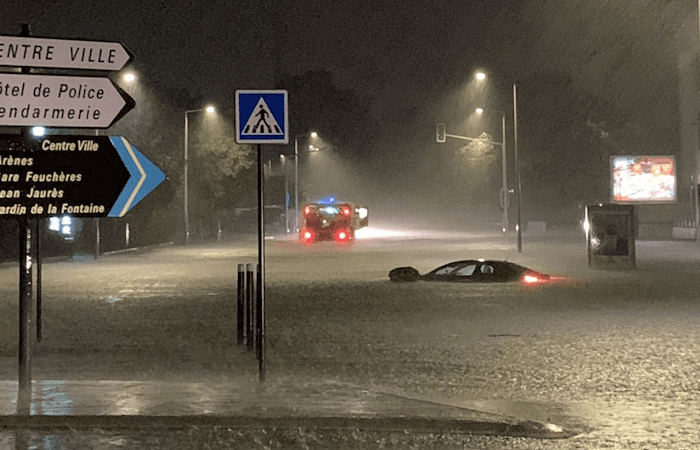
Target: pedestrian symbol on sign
x=261 y=121
x=261 y=117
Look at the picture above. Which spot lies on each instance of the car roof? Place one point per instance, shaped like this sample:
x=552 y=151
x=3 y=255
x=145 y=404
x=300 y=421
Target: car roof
x=479 y=261
x=492 y=262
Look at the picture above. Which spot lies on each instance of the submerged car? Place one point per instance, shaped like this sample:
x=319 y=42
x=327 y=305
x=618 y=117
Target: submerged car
x=472 y=271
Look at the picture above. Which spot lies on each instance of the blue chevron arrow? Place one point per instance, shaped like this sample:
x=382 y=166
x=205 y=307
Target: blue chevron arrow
x=144 y=177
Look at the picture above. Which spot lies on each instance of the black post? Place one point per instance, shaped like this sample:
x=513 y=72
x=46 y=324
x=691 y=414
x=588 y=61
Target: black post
x=260 y=328
x=260 y=308
x=250 y=289
x=37 y=240
x=24 y=394
x=96 y=220
x=240 y=304
x=24 y=398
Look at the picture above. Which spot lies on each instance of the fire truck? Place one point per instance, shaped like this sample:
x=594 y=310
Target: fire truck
x=331 y=220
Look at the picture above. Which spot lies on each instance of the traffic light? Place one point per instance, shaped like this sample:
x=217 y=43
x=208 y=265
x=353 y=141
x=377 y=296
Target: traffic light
x=440 y=134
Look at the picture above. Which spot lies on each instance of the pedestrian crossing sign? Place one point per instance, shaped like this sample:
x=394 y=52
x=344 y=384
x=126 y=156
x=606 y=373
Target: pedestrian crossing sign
x=261 y=117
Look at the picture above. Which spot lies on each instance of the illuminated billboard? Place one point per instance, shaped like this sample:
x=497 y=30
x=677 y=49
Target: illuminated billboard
x=643 y=179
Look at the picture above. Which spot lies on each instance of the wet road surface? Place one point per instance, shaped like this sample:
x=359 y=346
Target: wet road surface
x=614 y=356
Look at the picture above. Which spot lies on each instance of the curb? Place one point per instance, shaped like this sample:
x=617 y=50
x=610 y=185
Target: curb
x=520 y=429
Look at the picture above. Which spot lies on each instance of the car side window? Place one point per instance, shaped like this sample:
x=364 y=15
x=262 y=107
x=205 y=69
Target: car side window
x=486 y=269
x=445 y=270
x=466 y=271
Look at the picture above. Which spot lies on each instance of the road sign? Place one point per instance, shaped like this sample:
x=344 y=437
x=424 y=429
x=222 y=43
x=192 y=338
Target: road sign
x=62 y=53
x=60 y=101
x=84 y=176
x=261 y=117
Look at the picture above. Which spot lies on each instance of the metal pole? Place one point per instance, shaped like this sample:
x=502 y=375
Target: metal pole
x=249 y=291
x=296 y=187
x=260 y=292
x=504 y=223
x=240 y=305
x=187 y=216
x=518 y=187
x=39 y=224
x=24 y=398
x=286 y=195
x=24 y=363
x=96 y=220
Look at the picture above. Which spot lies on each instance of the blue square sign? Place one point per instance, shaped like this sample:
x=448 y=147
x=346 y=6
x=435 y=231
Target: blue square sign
x=261 y=117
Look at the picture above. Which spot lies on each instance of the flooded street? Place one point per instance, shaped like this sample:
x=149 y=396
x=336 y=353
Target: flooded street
x=613 y=352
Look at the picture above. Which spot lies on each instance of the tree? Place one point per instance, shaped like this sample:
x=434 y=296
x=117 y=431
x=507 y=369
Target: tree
x=340 y=116
x=564 y=136
x=219 y=164
x=476 y=166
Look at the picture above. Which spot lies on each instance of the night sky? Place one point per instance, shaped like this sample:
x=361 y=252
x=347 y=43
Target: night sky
x=397 y=51
x=403 y=55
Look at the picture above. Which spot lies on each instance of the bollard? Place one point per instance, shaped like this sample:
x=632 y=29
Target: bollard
x=249 y=298
x=240 y=304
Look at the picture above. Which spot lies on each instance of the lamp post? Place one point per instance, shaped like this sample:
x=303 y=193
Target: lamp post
x=208 y=109
x=504 y=188
x=518 y=186
x=312 y=134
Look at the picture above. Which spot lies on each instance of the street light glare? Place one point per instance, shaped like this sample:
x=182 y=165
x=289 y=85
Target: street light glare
x=210 y=109
x=479 y=110
x=480 y=76
x=129 y=77
x=314 y=134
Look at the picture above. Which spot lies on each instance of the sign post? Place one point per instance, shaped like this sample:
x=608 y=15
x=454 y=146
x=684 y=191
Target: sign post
x=261 y=118
x=62 y=174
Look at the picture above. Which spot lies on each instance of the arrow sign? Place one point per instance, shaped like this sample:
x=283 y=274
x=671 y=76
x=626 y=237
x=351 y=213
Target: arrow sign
x=61 y=102
x=62 y=53
x=144 y=176
x=84 y=176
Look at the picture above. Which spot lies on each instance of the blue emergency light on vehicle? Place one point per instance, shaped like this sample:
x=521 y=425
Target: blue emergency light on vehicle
x=330 y=200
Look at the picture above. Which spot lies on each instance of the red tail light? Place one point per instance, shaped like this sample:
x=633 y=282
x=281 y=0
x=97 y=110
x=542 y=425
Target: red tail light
x=532 y=277
x=308 y=210
x=346 y=210
x=342 y=236
x=306 y=236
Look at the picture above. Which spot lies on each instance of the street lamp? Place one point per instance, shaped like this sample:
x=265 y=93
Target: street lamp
x=209 y=110
x=518 y=186
x=504 y=189
x=311 y=134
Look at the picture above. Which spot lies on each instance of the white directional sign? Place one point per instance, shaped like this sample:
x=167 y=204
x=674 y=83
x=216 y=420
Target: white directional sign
x=261 y=117
x=62 y=102
x=62 y=53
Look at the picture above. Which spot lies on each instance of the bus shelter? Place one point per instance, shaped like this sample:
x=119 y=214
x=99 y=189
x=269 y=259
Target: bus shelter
x=610 y=236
